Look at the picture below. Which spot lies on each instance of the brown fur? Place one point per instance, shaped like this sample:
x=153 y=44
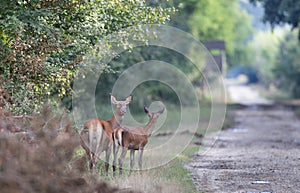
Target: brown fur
x=96 y=137
x=133 y=138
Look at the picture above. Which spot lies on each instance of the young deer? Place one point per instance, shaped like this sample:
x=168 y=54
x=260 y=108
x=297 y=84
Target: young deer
x=133 y=139
x=96 y=135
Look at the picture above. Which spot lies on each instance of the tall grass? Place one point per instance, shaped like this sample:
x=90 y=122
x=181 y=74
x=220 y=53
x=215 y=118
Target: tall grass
x=172 y=177
x=42 y=154
x=37 y=155
x=165 y=154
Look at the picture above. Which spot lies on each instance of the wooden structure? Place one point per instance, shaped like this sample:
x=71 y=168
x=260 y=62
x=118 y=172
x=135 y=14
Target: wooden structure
x=217 y=50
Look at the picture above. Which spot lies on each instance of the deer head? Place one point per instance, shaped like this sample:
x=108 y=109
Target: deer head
x=153 y=115
x=120 y=105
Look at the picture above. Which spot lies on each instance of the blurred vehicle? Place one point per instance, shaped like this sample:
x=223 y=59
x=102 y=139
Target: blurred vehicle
x=243 y=74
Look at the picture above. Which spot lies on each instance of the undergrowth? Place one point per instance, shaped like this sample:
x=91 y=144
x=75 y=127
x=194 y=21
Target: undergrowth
x=42 y=153
x=37 y=155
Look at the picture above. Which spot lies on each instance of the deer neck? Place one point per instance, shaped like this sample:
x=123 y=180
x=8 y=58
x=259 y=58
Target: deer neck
x=150 y=126
x=116 y=120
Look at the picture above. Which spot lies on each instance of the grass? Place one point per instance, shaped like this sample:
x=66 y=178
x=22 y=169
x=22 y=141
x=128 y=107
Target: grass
x=172 y=177
x=53 y=134
x=168 y=150
x=40 y=157
x=273 y=93
x=297 y=111
x=229 y=118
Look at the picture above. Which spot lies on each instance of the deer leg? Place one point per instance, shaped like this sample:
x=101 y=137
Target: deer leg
x=93 y=163
x=131 y=161
x=121 y=159
x=108 y=152
x=90 y=157
x=140 y=160
x=115 y=151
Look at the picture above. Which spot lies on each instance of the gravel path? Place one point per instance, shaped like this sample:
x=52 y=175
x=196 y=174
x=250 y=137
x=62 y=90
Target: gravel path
x=261 y=153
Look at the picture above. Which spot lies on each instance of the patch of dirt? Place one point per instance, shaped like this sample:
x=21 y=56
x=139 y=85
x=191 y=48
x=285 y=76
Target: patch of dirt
x=261 y=153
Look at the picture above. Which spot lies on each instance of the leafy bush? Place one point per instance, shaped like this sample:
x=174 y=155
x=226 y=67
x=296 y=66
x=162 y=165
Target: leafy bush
x=287 y=67
x=43 y=42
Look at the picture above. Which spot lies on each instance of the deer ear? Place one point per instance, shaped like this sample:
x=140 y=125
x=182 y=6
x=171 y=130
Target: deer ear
x=162 y=110
x=146 y=109
x=113 y=99
x=129 y=99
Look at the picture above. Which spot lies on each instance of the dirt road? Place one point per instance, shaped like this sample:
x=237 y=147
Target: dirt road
x=261 y=153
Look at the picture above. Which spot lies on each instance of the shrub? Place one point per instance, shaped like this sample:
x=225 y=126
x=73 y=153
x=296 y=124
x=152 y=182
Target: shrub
x=37 y=155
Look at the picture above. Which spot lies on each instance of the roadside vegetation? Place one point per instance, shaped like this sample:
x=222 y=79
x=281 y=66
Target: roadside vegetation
x=171 y=176
x=43 y=44
x=37 y=154
x=52 y=133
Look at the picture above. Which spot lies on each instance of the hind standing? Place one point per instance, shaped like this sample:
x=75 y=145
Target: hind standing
x=96 y=136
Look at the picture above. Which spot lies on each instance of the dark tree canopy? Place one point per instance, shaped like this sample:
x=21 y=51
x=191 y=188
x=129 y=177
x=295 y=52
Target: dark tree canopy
x=278 y=12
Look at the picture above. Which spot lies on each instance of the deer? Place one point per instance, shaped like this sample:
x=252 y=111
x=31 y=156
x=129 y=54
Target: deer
x=133 y=138
x=96 y=136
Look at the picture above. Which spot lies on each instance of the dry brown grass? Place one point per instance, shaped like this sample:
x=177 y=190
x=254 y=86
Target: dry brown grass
x=37 y=155
x=147 y=182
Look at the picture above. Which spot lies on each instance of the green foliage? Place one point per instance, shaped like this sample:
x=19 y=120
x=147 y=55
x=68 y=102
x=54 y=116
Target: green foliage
x=216 y=20
x=205 y=20
x=279 y=12
x=265 y=46
x=185 y=10
x=43 y=42
x=149 y=91
x=287 y=67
